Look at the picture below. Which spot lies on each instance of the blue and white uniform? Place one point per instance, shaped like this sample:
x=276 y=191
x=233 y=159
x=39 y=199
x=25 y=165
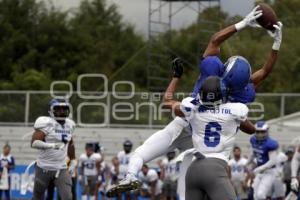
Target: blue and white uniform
x=265 y=153
x=52 y=159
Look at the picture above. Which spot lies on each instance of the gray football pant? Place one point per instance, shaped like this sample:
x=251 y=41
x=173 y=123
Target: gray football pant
x=208 y=179
x=44 y=177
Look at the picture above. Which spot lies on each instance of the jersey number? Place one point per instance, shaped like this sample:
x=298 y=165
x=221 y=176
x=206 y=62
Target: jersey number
x=64 y=138
x=212 y=134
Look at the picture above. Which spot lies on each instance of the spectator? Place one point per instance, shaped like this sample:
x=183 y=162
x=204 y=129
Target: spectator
x=169 y=174
x=238 y=173
x=150 y=183
x=7 y=162
x=287 y=173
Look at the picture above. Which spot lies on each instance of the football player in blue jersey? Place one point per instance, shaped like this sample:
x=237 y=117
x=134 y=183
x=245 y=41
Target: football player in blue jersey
x=264 y=151
x=236 y=69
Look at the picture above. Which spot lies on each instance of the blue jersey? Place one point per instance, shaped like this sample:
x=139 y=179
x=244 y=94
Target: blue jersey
x=213 y=66
x=262 y=148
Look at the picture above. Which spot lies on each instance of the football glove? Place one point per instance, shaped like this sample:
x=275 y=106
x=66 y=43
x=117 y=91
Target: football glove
x=177 y=67
x=72 y=166
x=276 y=35
x=250 y=19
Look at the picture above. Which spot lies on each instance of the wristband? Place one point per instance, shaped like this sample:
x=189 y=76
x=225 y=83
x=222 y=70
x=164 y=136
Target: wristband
x=240 y=25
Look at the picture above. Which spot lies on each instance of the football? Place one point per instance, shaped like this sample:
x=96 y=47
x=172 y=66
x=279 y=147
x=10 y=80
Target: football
x=269 y=18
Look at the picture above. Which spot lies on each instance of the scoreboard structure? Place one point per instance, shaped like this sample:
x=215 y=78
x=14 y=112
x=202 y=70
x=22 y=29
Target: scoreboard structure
x=160 y=15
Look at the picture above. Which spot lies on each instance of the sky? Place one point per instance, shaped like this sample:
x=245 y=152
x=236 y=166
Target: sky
x=136 y=11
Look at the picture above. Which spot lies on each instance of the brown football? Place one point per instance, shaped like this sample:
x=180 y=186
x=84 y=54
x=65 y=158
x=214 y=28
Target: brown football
x=269 y=18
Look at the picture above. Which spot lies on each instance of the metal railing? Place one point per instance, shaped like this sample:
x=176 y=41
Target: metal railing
x=123 y=109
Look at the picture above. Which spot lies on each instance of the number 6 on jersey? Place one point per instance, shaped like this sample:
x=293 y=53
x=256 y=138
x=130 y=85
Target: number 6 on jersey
x=212 y=134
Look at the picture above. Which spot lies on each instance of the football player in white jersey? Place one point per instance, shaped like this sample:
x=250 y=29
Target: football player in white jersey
x=238 y=173
x=53 y=138
x=124 y=157
x=169 y=170
x=278 y=188
x=89 y=173
x=214 y=125
x=150 y=183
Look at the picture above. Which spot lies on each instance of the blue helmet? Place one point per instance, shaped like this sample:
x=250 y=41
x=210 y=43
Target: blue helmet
x=237 y=73
x=59 y=109
x=261 y=130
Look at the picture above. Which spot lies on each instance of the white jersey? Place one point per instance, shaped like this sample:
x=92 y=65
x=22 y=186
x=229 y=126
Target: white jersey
x=53 y=159
x=89 y=164
x=238 y=169
x=214 y=131
x=150 y=177
x=124 y=161
x=280 y=160
x=171 y=169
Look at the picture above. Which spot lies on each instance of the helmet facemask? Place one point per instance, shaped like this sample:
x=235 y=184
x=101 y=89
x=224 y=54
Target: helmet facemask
x=59 y=111
x=261 y=135
x=211 y=94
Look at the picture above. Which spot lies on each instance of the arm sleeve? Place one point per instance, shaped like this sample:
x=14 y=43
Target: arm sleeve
x=39 y=144
x=295 y=163
x=270 y=163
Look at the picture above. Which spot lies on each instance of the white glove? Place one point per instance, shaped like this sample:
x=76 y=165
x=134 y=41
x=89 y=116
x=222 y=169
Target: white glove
x=250 y=19
x=294 y=184
x=72 y=166
x=58 y=146
x=276 y=35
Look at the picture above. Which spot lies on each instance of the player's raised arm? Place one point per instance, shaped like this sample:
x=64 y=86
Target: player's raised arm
x=213 y=47
x=168 y=100
x=262 y=73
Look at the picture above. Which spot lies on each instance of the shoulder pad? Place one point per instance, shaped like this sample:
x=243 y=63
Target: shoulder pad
x=239 y=111
x=71 y=122
x=42 y=122
x=188 y=105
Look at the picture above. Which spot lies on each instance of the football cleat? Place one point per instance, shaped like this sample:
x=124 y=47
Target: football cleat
x=129 y=183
